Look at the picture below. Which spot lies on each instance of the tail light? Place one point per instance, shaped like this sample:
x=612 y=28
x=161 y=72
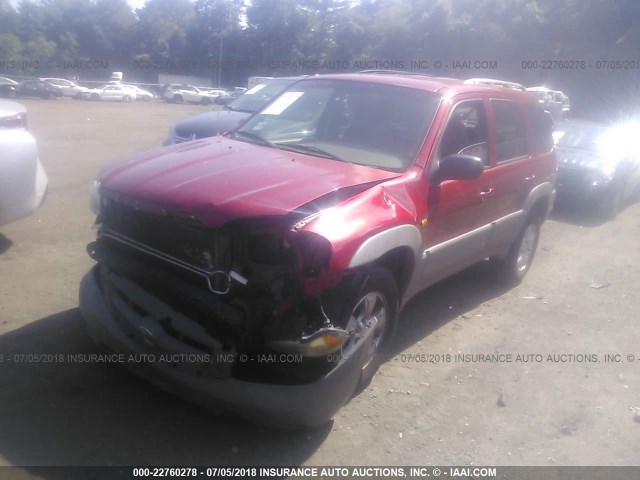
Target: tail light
x=19 y=120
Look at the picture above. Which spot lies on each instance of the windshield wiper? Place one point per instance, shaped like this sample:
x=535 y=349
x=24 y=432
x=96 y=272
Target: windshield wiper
x=253 y=136
x=301 y=147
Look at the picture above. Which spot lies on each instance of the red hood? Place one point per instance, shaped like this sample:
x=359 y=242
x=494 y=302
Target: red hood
x=219 y=179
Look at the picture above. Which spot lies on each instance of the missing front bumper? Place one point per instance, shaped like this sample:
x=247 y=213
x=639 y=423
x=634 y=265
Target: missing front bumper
x=307 y=405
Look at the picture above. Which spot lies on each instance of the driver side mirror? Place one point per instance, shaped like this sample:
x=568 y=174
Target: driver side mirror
x=459 y=167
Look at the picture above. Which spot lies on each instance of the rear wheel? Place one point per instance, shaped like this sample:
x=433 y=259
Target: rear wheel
x=205 y=101
x=177 y=99
x=371 y=318
x=513 y=268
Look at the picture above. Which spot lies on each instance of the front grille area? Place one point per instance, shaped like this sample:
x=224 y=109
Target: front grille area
x=159 y=329
x=183 y=239
x=572 y=176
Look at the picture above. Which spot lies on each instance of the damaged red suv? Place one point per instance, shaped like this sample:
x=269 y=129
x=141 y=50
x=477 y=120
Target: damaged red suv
x=264 y=270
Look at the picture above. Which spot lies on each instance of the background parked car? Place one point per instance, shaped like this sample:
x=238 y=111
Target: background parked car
x=69 y=88
x=190 y=94
x=230 y=96
x=140 y=93
x=38 y=88
x=597 y=165
x=109 y=92
x=553 y=101
x=8 y=87
x=233 y=114
x=23 y=181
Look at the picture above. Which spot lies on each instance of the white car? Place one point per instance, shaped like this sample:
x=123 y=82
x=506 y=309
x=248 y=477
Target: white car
x=23 y=181
x=191 y=94
x=109 y=92
x=69 y=88
x=140 y=93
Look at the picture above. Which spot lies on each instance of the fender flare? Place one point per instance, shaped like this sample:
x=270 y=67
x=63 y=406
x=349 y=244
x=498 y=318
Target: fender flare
x=380 y=243
x=544 y=191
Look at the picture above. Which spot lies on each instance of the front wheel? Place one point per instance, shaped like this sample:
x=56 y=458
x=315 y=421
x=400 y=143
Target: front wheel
x=205 y=101
x=513 y=268
x=371 y=318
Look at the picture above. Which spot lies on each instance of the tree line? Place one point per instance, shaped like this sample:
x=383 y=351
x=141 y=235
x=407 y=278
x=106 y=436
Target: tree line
x=572 y=44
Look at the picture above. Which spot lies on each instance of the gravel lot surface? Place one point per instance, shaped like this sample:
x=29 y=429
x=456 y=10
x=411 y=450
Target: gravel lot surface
x=427 y=405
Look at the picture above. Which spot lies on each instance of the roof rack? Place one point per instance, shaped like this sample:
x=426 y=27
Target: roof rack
x=395 y=72
x=494 y=82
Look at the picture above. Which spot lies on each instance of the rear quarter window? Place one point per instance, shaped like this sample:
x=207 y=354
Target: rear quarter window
x=542 y=127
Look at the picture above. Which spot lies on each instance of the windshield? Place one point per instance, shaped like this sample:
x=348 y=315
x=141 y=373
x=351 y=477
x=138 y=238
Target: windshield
x=258 y=96
x=381 y=126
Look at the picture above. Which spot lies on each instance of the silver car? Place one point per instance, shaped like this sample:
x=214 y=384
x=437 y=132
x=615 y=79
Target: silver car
x=23 y=181
x=69 y=88
x=109 y=92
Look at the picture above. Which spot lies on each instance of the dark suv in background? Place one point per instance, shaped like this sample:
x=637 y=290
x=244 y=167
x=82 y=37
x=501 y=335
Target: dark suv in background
x=270 y=266
x=232 y=114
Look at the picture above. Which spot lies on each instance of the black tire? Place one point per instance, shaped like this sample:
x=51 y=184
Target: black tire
x=95 y=97
x=177 y=99
x=611 y=205
x=380 y=295
x=514 y=266
x=205 y=101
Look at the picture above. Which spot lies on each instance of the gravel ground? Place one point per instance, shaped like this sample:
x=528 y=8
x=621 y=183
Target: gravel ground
x=556 y=402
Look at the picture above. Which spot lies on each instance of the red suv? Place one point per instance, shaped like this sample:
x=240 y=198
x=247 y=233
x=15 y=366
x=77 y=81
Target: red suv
x=265 y=269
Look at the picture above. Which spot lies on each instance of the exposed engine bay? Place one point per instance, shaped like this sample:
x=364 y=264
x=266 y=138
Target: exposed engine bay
x=249 y=287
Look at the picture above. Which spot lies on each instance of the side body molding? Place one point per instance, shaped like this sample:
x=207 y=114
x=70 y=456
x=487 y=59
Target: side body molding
x=380 y=243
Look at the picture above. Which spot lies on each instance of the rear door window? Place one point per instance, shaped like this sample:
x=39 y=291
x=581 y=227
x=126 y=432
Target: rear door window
x=511 y=136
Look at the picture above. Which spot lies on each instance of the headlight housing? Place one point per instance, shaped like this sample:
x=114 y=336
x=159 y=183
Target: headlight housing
x=321 y=343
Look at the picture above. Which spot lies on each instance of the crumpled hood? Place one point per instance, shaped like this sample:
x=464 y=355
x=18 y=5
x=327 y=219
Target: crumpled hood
x=210 y=124
x=220 y=179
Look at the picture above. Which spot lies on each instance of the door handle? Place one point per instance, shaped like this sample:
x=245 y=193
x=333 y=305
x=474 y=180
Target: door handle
x=485 y=193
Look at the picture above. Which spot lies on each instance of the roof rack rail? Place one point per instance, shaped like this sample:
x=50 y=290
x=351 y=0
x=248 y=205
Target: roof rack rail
x=395 y=72
x=494 y=82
